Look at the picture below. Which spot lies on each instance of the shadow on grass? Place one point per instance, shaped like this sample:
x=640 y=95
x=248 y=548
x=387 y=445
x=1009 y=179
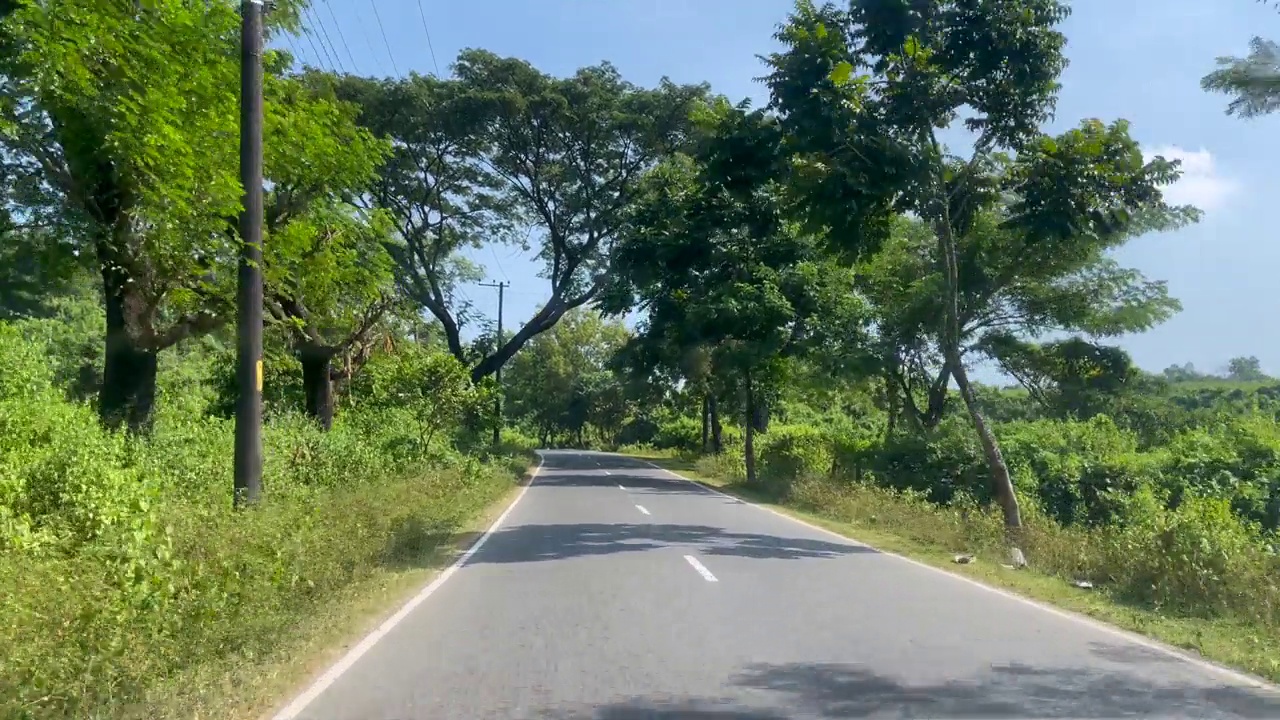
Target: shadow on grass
x=828 y=690
x=677 y=464
x=415 y=544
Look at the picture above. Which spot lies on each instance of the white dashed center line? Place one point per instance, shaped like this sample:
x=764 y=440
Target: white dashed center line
x=702 y=570
x=641 y=509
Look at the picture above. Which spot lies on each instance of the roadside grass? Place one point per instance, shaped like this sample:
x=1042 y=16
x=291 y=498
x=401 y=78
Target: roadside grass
x=416 y=547
x=259 y=601
x=1058 y=556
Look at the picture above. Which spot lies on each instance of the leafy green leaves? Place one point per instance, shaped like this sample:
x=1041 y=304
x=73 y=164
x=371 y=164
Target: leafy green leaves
x=120 y=125
x=1253 y=81
x=1092 y=185
x=502 y=152
x=731 y=287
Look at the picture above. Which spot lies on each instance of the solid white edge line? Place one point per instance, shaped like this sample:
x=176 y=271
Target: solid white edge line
x=700 y=568
x=641 y=509
x=344 y=664
x=1213 y=668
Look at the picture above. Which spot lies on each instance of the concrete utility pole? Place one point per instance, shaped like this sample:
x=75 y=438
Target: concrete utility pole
x=497 y=375
x=248 y=452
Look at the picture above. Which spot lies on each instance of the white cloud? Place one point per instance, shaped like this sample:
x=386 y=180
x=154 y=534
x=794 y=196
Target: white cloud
x=1201 y=184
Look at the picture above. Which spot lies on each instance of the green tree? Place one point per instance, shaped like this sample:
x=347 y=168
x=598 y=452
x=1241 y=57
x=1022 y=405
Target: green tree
x=128 y=134
x=36 y=268
x=1182 y=373
x=663 y=356
x=1253 y=81
x=561 y=382
x=714 y=262
x=1245 y=369
x=438 y=189
x=503 y=147
x=1072 y=378
x=429 y=384
x=328 y=273
x=895 y=74
x=330 y=290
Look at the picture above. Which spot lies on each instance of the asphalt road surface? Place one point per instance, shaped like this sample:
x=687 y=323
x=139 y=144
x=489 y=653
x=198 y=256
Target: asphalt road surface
x=615 y=591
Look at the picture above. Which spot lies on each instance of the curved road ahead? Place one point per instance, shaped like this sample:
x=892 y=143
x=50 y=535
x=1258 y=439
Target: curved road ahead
x=613 y=590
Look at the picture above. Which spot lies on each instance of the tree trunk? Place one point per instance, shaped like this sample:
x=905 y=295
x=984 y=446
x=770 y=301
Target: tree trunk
x=891 y=407
x=1002 y=484
x=749 y=439
x=128 y=384
x=717 y=429
x=760 y=415
x=128 y=394
x=706 y=422
x=317 y=384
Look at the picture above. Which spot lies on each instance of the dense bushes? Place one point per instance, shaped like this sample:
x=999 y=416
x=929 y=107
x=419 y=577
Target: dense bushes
x=1079 y=473
x=123 y=567
x=792 y=452
x=679 y=433
x=1189 y=527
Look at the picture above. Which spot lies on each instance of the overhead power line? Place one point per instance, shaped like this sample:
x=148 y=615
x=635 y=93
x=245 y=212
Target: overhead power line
x=382 y=28
x=430 y=48
x=315 y=52
x=342 y=36
x=367 y=42
x=330 y=52
x=293 y=49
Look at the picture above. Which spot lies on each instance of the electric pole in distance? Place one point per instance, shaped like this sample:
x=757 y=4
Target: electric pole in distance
x=248 y=453
x=497 y=375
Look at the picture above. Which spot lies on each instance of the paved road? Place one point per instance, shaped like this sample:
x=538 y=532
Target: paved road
x=614 y=591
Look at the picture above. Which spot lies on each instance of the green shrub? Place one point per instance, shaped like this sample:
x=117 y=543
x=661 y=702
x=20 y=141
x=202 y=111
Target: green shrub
x=433 y=385
x=281 y=382
x=788 y=452
x=681 y=434
x=728 y=465
x=1076 y=469
x=938 y=464
x=854 y=450
x=124 y=570
x=1238 y=460
x=638 y=431
x=1199 y=558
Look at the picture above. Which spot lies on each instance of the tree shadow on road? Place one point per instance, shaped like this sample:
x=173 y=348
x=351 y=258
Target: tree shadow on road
x=821 y=690
x=636 y=480
x=1010 y=691
x=535 y=543
x=663 y=710
x=593 y=477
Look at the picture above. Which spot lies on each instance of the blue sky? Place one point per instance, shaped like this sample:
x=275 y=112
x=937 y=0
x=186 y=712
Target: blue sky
x=1141 y=60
